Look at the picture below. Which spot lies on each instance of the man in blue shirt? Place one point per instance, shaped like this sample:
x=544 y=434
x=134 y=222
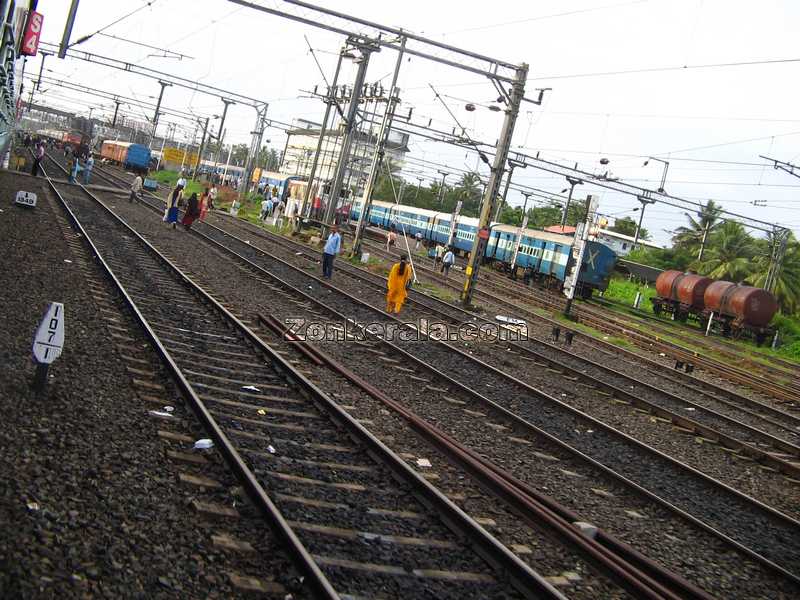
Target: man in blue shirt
x=332 y=247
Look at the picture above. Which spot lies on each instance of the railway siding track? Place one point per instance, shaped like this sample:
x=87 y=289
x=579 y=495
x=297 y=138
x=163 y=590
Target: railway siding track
x=733 y=507
x=712 y=426
x=695 y=385
x=327 y=465
x=612 y=326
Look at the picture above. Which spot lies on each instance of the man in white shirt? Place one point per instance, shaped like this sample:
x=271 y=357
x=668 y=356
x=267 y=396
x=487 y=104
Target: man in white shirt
x=448 y=261
x=212 y=196
x=136 y=188
x=181 y=183
x=264 y=208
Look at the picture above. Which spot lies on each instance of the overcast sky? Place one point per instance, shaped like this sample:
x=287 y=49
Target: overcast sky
x=711 y=123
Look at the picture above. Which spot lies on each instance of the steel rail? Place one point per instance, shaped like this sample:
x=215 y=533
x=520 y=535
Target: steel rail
x=521 y=421
x=635 y=572
x=316 y=579
x=527 y=581
x=528 y=425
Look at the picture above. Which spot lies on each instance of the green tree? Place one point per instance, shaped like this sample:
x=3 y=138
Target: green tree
x=787 y=285
x=662 y=258
x=730 y=253
x=691 y=236
x=627 y=226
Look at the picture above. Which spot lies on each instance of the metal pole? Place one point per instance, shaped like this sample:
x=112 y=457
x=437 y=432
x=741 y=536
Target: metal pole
x=200 y=150
x=73 y=10
x=503 y=145
x=572 y=183
x=116 y=112
x=703 y=241
x=254 y=145
x=444 y=175
x=505 y=192
x=221 y=131
x=347 y=137
x=644 y=202
x=163 y=85
x=522 y=226
x=380 y=151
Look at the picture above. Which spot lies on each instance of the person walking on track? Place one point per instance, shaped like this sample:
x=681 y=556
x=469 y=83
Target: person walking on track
x=171 y=214
x=203 y=205
x=448 y=260
x=87 y=169
x=192 y=211
x=136 y=188
x=397 y=282
x=332 y=247
x=38 y=155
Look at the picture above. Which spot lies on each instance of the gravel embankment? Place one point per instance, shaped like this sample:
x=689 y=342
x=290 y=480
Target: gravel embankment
x=711 y=564
x=89 y=504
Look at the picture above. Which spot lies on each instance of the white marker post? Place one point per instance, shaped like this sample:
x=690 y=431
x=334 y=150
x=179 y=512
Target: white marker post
x=48 y=343
x=26 y=199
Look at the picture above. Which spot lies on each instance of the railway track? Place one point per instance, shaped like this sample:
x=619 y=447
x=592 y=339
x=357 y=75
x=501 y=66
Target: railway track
x=520 y=305
x=243 y=247
x=726 y=421
x=516 y=296
x=297 y=452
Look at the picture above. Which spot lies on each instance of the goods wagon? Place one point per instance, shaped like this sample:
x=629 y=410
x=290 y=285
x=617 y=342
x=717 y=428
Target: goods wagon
x=130 y=156
x=680 y=294
x=740 y=309
x=734 y=309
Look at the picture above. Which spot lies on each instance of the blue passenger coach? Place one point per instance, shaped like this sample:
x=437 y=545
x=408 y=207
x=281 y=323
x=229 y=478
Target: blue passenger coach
x=546 y=254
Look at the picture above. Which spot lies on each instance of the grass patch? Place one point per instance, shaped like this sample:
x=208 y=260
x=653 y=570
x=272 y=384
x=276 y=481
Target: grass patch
x=624 y=292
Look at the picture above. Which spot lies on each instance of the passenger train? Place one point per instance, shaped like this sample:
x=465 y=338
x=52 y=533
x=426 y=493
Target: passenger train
x=546 y=254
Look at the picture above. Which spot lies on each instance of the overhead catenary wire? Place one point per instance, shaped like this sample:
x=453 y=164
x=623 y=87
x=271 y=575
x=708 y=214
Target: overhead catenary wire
x=119 y=20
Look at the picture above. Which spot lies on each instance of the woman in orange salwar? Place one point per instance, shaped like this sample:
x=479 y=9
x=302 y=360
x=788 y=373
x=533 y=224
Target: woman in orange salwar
x=397 y=281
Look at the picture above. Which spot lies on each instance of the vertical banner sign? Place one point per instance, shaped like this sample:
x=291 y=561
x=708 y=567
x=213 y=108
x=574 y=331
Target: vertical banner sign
x=579 y=248
x=32 y=33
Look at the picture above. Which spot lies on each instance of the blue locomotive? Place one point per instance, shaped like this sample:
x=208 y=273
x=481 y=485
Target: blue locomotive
x=546 y=254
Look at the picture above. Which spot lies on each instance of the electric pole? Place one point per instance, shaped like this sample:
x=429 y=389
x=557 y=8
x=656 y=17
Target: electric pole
x=503 y=145
x=380 y=151
x=200 y=149
x=444 y=175
x=703 y=241
x=523 y=224
x=116 y=112
x=572 y=183
x=645 y=202
x=347 y=133
x=163 y=85
x=221 y=132
x=512 y=164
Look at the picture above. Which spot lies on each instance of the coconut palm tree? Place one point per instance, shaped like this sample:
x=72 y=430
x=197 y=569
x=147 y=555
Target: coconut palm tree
x=787 y=285
x=689 y=238
x=729 y=253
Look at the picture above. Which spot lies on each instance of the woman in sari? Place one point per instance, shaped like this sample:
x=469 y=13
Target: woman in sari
x=192 y=211
x=396 y=283
x=172 y=206
x=203 y=205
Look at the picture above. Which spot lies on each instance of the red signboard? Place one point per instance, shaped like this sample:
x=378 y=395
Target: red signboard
x=30 y=37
